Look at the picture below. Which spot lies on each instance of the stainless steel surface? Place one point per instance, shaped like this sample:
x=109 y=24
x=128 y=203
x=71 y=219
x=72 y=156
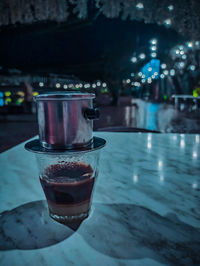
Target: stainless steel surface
x=34 y=146
x=60 y=96
x=62 y=120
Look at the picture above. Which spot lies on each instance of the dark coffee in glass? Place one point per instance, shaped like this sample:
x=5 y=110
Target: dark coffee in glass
x=68 y=189
x=68 y=183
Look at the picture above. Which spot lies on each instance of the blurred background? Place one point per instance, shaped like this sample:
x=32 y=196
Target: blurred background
x=141 y=59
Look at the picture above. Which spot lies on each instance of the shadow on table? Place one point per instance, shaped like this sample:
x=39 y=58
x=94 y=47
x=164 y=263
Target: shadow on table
x=127 y=231
x=30 y=227
x=123 y=231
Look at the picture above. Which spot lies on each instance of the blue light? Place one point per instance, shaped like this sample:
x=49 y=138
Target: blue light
x=1 y=94
x=151 y=115
x=1 y=102
x=155 y=65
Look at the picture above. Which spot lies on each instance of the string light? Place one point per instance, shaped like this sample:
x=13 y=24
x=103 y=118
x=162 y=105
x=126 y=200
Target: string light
x=94 y=86
x=184 y=56
x=172 y=72
x=166 y=72
x=133 y=59
x=140 y=74
x=168 y=22
x=140 y=6
x=41 y=84
x=137 y=84
x=57 y=85
x=149 y=80
x=181 y=47
x=87 y=85
x=142 y=56
x=80 y=85
x=163 y=66
x=143 y=76
x=132 y=74
x=190 y=44
x=153 y=41
x=192 y=67
x=65 y=86
x=153 y=54
x=128 y=81
x=162 y=76
x=177 y=52
x=156 y=74
x=104 y=84
x=150 y=69
x=143 y=80
x=153 y=48
x=182 y=52
x=181 y=64
x=171 y=7
x=98 y=83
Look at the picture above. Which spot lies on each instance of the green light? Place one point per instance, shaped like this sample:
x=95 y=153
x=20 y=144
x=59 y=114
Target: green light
x=8 y=100
x=165 y=97
x=196 y=92
x=19 y=101
x=104 y=90
x=7 y=93
x=21 y=93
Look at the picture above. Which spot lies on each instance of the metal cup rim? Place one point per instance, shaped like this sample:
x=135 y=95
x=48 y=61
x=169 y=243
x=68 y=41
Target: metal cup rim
x=64 y=96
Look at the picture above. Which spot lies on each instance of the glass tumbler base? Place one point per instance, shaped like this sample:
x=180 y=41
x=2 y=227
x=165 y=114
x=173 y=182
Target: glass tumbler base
x=69 y=219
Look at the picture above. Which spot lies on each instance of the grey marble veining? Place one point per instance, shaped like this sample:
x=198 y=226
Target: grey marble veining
x=145 y=207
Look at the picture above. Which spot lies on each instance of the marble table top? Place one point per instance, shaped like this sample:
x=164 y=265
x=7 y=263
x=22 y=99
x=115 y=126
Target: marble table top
x=145 y=211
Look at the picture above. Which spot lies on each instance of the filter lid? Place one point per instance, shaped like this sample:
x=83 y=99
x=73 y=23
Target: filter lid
x=34 y=146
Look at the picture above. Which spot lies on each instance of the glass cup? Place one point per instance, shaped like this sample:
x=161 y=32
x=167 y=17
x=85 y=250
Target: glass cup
x=68 y=182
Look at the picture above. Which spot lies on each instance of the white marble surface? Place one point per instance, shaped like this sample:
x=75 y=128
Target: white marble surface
x=146 y=207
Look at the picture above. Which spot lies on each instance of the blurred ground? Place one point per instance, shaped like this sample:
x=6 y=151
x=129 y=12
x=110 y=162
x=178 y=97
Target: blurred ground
x=15 y=129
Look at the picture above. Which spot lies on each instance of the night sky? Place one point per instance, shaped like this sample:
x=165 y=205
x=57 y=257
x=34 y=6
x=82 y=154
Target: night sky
x=80 y=50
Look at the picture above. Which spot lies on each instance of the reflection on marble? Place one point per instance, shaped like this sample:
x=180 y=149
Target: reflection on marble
x=32 y=226
x=145 y=206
